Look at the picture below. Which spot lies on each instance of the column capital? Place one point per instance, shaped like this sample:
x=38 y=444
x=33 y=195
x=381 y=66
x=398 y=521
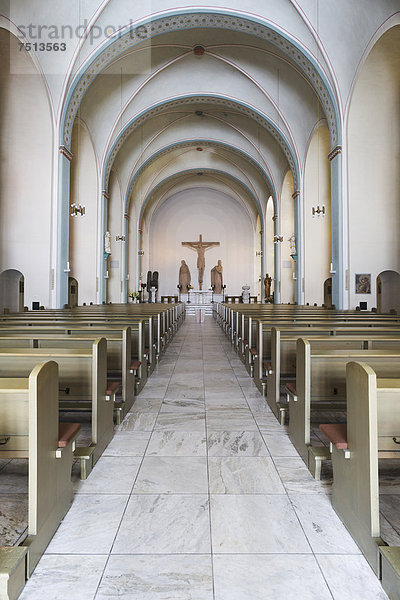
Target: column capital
x=334 y=153
x=126 y=216
x=105 y=194
x=296 y=194
x=65 y=152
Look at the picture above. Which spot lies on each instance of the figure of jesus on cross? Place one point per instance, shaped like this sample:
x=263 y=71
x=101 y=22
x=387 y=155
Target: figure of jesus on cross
x=200 y=247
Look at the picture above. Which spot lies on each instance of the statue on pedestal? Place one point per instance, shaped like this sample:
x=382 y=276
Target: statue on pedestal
x=216 y=278
x=184 y=277
x=267 y=287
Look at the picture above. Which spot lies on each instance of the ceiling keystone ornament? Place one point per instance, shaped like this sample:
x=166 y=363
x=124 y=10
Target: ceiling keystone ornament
x=117 y=45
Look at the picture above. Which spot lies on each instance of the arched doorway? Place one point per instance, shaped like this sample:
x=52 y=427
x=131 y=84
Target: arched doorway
x=388 y=291
x=72 y=292
x=12 y=290
x=328 y=292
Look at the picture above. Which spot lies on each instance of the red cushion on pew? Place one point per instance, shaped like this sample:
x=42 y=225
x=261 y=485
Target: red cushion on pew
x=267 y=364
x=253 y=351
x=66 y=432
x=112 y=387
x=135 y=364
x=336 y=434
x=245 y=342
x=291 y=388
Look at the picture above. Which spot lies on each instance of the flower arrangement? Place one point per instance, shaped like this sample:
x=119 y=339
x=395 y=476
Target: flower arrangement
x=134 y=296
x=189 y=287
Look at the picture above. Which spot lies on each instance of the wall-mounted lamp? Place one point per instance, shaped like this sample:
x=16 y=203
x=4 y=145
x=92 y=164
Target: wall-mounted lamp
x=106 y=276
x=141 y=253
x=278 y=238
x=77 y=209
x=119 y=238
x=259 y=253
x=318 y=211
x=274 y=218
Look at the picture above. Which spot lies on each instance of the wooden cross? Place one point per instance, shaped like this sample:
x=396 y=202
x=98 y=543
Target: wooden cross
x=200 y=247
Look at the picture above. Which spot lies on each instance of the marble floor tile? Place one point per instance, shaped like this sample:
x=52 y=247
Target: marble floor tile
x=278 y=443
x=297 y=479
x=111 y=475
x=267 y=421
x=272 y=577
x=180 y=392
x=165 y=524
x=79 y=532
x=243 y=475
x=233 y=420
x=177 y=443
x=255 y=524
x=180 y=422
x=58 y=577
x=13 y=517
x=143 y=420
x=153 y=392
x=14 y=477
x=350 y=577
x=150 y=404
x=128 y=443
x=323 y=528
x=236 y=443
x=182 y=577
x=171 y=405
x=259 y=405
x=172 y=475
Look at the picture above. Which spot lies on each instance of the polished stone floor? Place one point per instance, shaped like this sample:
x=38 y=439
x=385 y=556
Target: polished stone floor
x=201 y=496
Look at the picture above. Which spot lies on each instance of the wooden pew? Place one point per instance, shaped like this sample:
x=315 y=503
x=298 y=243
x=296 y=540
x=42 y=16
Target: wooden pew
x=321 y=385
x=83 y=383
x=372 y=433
x=30 y=429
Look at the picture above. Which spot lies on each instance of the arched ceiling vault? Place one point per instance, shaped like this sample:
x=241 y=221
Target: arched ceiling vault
x=169 y=185
x=125 y=39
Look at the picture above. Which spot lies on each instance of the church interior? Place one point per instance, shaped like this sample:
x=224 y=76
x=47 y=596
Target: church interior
x=200 y=300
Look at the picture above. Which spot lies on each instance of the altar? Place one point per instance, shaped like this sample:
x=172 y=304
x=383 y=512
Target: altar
x=200 y=297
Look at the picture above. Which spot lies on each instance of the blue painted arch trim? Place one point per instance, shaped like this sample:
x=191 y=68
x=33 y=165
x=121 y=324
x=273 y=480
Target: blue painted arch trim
x=141 y=115
x=193 y=142
x=308 y=58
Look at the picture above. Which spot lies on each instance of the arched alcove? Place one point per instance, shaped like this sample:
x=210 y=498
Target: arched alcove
x=219 y=218
x=373 y=173
x=388 y=291
x=26 y=161
x=317 y=216
x=12 y=284
x=73 y=292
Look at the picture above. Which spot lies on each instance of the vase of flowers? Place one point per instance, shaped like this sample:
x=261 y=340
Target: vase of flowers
x=133 y=297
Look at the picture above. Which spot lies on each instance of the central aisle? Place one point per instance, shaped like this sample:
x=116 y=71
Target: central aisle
x=201 y=496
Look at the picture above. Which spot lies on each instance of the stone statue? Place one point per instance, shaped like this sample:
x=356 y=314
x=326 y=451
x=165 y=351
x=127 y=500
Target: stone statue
x=200 y=247
x=216 y=278
x=154 y=280
x=107 y=242
x=184 y=277
x=267 y=286
x=292 y=241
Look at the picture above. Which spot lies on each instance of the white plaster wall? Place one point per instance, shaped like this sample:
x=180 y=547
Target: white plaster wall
x=219 y=219
x=373 y=166
x=317 y=230
x=114 y=263
x=269 y=240
x=83 y=229
x=25 y=172
x=287 y=228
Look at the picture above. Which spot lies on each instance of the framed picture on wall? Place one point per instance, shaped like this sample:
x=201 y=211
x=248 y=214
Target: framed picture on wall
x=363 y=283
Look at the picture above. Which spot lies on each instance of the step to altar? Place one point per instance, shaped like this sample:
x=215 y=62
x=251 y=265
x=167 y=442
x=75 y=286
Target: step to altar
x=191 y=308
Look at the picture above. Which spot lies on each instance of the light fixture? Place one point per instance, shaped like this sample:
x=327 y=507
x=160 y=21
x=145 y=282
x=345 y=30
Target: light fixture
x=141 y=253
x=77 y=209
x=259 y=253
x=318 y=211
x=278 y=238
x=119 y=238
x=198 y=50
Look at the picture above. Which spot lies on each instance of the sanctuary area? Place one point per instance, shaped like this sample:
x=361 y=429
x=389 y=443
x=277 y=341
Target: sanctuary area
x=200 y=300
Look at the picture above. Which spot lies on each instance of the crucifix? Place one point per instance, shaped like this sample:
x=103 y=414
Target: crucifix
x=200 y=247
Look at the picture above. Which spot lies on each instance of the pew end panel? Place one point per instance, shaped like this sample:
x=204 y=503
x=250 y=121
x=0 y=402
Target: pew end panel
x=390 y=571
x=355 y=468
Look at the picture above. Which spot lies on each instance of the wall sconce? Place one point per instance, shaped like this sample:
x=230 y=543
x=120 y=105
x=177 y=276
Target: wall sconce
x=318 y=211
x=106 y=276
x=274 y=218
x=259 y=253
x=141 y=253
x=119 y=238
x=77 y=209
x=278 y=238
